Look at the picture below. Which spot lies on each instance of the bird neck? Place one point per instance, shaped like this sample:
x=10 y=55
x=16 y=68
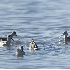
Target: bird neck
x=22 y=49
x=9 y=39
x=11 y=35
x=65 y=37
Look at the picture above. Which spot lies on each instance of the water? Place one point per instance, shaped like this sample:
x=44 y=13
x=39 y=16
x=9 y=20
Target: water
x=41 y=20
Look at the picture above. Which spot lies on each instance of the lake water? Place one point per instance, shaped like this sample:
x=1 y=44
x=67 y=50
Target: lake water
x=41 y=20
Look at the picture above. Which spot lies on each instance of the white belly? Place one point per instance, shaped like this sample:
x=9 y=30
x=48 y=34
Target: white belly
x=2 y=43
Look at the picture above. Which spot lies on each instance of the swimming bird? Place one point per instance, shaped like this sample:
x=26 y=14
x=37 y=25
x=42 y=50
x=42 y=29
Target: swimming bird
x=33 y=45
x=66 y=37
x=20 y=52
x=5 y=41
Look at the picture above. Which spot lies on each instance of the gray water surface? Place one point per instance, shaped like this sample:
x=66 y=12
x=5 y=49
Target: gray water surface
x=41 y=20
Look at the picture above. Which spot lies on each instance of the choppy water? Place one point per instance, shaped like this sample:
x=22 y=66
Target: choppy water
x=42 y=20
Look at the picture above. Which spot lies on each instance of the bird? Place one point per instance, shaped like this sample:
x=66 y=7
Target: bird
x=20 y=52
x=33 y=45
x=5 y=41
x=66 y=37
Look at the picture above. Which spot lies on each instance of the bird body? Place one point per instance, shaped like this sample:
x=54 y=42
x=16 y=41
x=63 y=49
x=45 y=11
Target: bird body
x=66 y=37
x=6 y=41
x=20 y=52
x=33 y=45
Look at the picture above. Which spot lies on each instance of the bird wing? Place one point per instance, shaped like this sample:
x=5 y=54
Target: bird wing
x=3 y=38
